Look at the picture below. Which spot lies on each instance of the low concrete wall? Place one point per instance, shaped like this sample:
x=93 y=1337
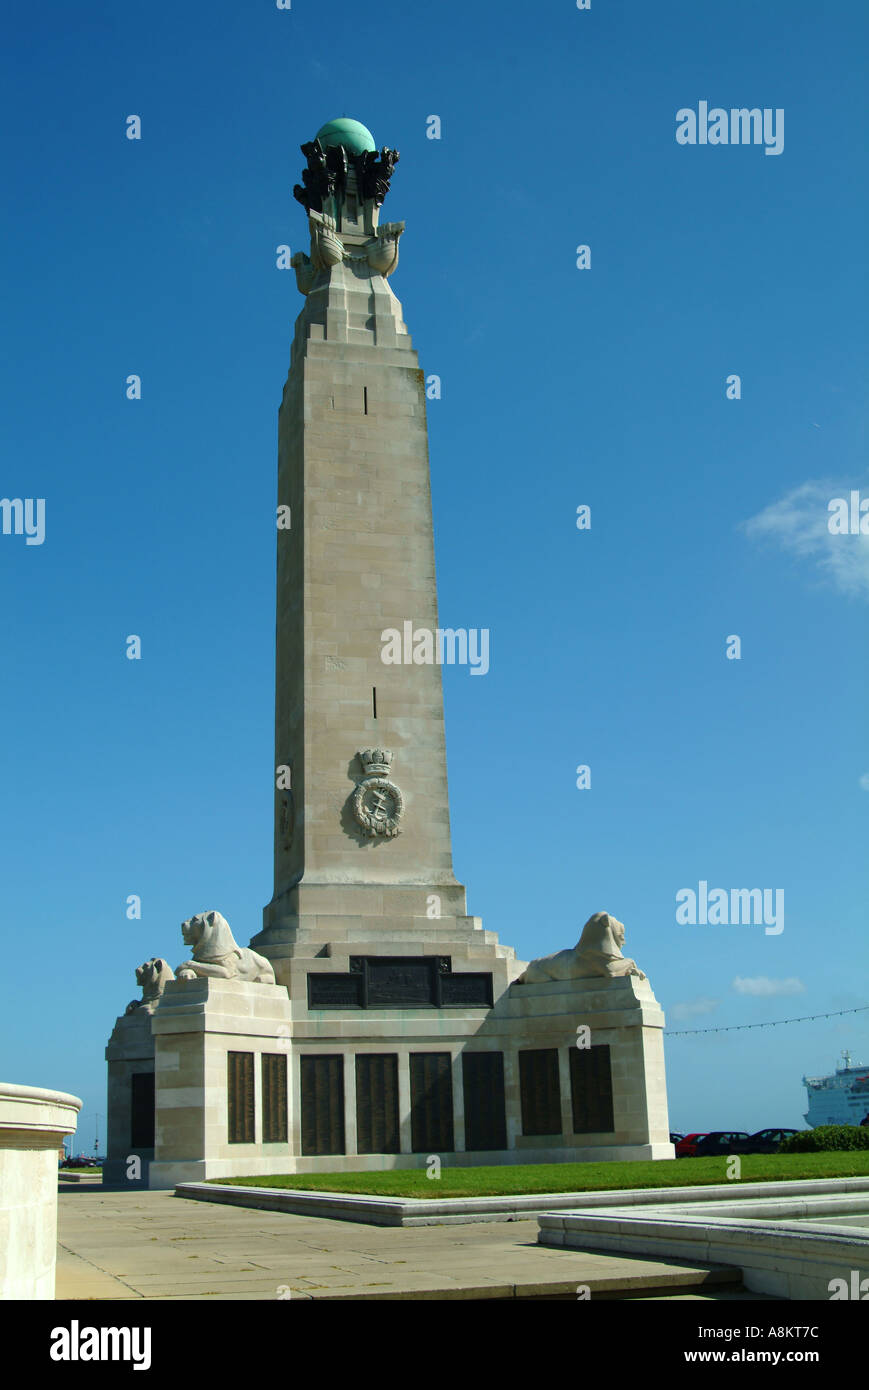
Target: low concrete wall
x=443 y=1211
x=33 y=1123
x=783 y=1246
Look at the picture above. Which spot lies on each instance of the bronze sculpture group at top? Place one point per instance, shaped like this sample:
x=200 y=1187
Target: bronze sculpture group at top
x=326 y=174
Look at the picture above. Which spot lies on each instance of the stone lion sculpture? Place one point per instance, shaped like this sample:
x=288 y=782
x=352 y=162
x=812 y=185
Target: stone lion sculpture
x=152 y=975
x=597 y=954
x=216 y=953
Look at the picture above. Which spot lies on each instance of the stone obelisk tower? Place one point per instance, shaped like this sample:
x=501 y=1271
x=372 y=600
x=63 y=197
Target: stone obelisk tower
x=362 y=832
x=398 y=1028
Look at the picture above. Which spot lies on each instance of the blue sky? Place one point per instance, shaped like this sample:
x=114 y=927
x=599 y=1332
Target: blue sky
x=561 y=387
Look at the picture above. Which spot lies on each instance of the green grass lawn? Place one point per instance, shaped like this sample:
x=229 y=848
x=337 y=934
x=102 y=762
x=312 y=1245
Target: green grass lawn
x=569 y=1177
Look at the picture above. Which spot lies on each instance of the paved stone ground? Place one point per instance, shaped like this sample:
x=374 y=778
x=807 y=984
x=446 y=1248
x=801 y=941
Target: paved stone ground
x=127 y=1245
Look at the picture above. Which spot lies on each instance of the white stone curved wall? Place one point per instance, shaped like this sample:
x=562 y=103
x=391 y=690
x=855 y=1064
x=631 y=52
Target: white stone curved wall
x=33 y=1122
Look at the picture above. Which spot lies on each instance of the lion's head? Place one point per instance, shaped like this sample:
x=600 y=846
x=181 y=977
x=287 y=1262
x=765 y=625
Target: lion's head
x=152 y=971
x=602 y=934
x=151 y=975
x=209 y=934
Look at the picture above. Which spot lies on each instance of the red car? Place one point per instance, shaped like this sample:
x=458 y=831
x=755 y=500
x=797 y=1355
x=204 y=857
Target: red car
x=687 y=1147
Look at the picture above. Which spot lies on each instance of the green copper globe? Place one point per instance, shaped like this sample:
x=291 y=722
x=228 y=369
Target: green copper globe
x=351 y=134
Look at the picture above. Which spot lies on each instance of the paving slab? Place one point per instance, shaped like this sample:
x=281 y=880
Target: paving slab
x=150 y=1245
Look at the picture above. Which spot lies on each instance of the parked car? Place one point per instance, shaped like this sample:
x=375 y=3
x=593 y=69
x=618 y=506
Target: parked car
x=675 y=1138
x=766 y=1141
x=686 y=1147
x=721 y=1141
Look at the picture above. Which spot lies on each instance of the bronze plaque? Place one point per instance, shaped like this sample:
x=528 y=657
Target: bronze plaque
x=334 y=991
x=322 y=1079
x=431 y=1103
x=400 y=980
x=540 y=1091
x=240 y=1098
x=485 y=1110
x=468 y=989
x=377 y=1124
x=274 y=1092
x=591 y=1090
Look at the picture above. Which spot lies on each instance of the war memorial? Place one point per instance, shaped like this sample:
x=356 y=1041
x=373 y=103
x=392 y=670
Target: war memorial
x=372 y=1022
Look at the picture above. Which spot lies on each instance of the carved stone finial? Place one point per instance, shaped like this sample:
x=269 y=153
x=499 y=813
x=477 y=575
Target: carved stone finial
x=343 y=186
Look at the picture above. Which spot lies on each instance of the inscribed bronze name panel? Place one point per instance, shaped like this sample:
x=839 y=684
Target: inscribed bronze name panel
x=322 y=1087
x=274 y=1098
x=377 y=1119
x=540 y=1091
x=591 y=1090
x=485 y=1108
x=431 y=1102
x=240 y=1098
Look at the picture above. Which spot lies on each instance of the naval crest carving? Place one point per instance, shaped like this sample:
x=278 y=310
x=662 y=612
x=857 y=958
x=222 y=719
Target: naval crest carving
x=377 y=802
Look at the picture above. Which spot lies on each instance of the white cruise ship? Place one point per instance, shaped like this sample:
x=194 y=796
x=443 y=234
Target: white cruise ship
x=840 y=1099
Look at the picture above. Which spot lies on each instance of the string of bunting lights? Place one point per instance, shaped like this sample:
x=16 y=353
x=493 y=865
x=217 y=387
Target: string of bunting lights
x=776 y=1023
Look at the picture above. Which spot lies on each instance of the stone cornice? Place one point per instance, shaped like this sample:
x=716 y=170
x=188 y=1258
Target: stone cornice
x=34 y=1118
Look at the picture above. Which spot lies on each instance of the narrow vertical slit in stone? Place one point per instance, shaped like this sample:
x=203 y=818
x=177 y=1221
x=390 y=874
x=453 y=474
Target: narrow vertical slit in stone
x=374 y=699
x=365 y=399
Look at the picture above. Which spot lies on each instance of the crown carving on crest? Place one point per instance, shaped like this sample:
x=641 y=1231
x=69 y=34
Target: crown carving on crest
x=375 y=761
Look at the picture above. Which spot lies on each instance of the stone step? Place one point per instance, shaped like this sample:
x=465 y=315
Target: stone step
x=681 y=1282
x=723 y=1295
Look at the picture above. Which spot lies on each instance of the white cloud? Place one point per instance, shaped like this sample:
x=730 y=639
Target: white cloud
x=797 y=523
x=692 y=1008
x=763 y=985
x=864 y=781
